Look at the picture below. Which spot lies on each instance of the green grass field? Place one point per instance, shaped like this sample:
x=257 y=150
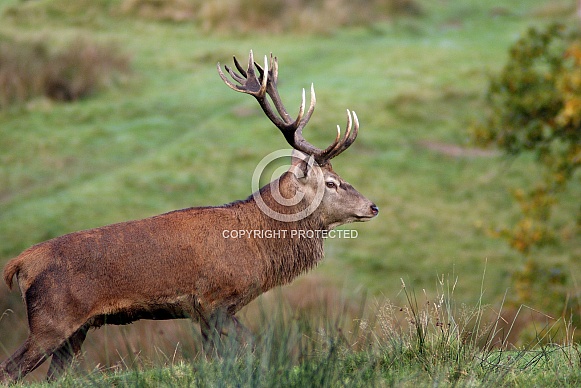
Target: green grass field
x=171 y=135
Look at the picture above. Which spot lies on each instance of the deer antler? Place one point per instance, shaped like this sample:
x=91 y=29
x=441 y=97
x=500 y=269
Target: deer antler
x=266 y=84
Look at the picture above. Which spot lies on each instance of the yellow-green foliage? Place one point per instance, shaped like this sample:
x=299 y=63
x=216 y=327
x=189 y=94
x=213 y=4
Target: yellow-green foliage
x=535 y=106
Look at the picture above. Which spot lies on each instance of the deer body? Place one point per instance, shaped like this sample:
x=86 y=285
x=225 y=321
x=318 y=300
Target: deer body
x=182 y=264
x=138 y=269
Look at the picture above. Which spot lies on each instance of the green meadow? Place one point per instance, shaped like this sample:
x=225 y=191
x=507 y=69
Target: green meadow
x=168 y=134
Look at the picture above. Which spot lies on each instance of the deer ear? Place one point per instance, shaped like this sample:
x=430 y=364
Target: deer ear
x=301 y=164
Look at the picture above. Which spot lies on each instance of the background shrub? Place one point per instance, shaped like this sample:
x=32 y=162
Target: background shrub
x=32 y=69
x=535 y=107
x=21 y=71
x=241 y=16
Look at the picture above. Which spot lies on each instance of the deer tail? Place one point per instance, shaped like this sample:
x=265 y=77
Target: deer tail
x=11 y=269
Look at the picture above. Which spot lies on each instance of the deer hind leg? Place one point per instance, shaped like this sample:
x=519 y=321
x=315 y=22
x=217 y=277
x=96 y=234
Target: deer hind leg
x=62 y=357
x=51 y=326
x=26 y=359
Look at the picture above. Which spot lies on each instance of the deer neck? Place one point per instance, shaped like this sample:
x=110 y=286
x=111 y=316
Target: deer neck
x=291 y=248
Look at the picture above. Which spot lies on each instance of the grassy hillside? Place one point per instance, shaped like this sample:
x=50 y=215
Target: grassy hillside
x=172 y=135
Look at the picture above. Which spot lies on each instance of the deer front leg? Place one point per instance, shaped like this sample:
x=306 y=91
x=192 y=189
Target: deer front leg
x=62 y=358
x=221 y=323
x=243 y=335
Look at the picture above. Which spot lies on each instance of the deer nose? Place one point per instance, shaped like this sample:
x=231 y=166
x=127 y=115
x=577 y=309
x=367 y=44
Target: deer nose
x=374 y=209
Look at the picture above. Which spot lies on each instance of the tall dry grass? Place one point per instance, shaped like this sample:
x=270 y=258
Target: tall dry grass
x=30 y=69
x=243 y=16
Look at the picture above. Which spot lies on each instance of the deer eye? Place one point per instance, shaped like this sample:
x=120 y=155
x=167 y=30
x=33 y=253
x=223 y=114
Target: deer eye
x=331 y=185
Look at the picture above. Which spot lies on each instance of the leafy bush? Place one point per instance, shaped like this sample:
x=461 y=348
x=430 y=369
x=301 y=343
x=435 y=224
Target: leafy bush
x=535 y=107
x=31 y=69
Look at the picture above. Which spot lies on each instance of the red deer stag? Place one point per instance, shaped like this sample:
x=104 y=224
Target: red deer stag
x=181 y=264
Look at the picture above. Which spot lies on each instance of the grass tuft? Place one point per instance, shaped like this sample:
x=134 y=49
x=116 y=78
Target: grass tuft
x=423 y=344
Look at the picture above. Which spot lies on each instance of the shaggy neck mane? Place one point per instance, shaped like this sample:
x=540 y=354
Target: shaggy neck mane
x=292 y=251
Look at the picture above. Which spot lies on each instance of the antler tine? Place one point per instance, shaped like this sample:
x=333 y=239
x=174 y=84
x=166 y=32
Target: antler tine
x=350 y=133
x=265 y=75
x=311 y=106
x=236 y=77
x=330 y=152
x=299 y=118
x=268 y=68
x=274 y=68
x=272 y=91
x=239 y=67
x=226 y=80
x=330 y=149
x=250 y=60
x=251 y=76
x=302 y=119
x=338 y=145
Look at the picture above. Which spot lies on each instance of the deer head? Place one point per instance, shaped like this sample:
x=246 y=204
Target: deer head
x=311 y=178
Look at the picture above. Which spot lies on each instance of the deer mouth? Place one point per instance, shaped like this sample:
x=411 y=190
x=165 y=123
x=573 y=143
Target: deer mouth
x=364 y=218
